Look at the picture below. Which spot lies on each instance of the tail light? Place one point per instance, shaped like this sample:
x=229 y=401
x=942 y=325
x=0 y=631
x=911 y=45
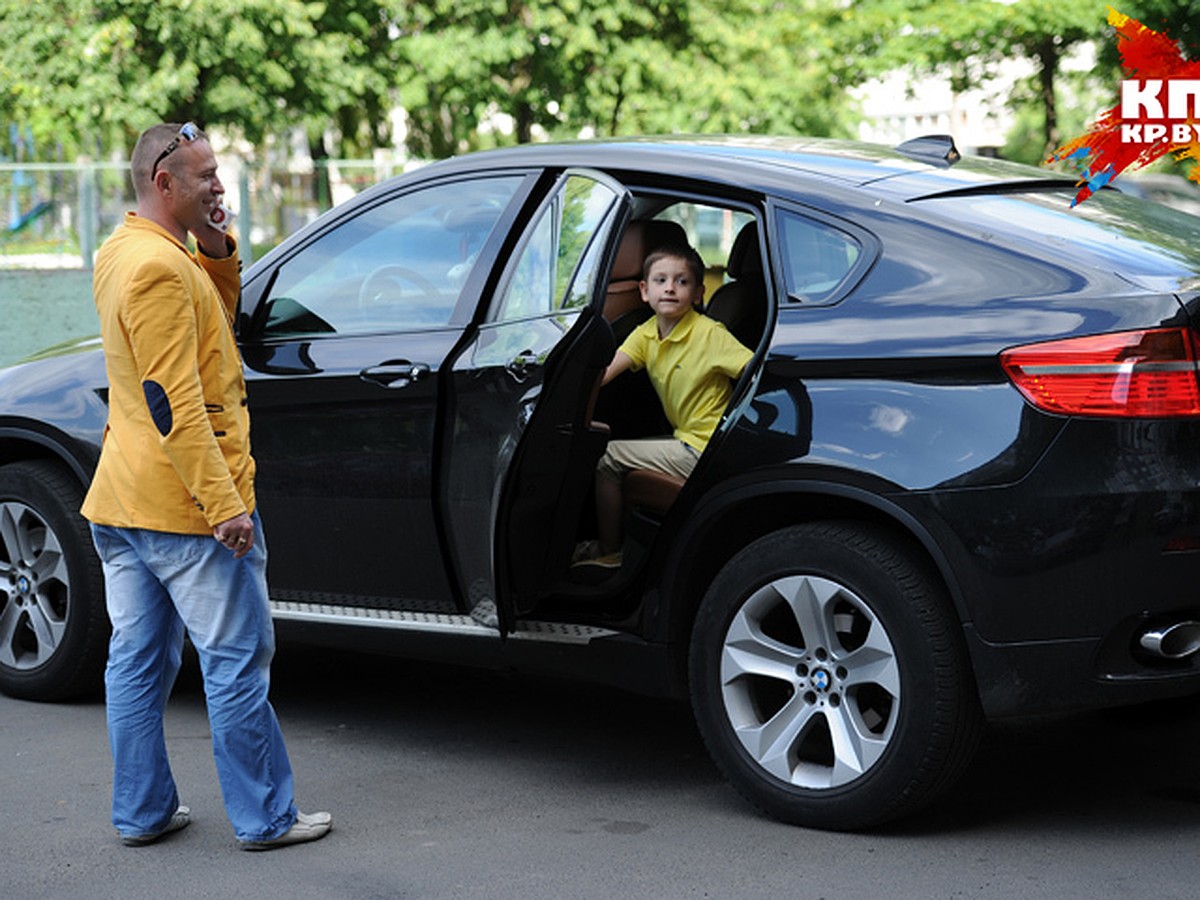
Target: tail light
x=1133 y=374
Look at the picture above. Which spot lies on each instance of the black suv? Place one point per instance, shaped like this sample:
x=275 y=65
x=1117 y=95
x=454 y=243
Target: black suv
x=960 y=478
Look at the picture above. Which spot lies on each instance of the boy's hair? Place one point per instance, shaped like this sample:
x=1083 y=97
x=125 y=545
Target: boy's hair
x=677 y=251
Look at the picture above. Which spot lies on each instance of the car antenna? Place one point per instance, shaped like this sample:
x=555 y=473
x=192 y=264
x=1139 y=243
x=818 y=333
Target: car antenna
x=935 y=149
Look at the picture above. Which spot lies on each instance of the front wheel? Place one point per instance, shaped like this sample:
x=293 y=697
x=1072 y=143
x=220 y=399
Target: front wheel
x=829 y=678
x=53 y=625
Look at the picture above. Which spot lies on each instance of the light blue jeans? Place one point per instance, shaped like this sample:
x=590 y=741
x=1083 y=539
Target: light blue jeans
x=158 y=585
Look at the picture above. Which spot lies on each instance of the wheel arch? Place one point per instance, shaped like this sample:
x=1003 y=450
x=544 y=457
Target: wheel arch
x=21 y=441
x=724 y=521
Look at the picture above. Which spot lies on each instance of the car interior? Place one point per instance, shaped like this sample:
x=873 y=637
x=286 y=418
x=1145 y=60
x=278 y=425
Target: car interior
x=340 y=287
x=736 y=295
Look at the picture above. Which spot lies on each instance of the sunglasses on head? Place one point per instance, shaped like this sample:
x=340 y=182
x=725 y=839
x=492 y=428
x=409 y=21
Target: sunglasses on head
x=188 y=132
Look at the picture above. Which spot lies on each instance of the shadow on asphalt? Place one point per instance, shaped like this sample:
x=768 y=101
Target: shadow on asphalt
x=524 y=721
x=1130 y=767
x=1116 y=769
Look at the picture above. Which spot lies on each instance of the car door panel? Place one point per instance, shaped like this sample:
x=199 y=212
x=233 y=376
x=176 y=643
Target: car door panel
x=525 y=376
x=344 y=471
x=344 y=356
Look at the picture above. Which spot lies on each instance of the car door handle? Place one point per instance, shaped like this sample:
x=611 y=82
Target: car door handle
x=396 y=373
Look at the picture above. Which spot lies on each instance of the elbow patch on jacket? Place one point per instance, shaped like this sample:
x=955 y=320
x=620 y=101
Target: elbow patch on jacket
x=160 y=406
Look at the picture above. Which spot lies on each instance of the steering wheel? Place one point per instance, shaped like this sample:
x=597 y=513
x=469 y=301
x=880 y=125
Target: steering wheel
x=384 y=287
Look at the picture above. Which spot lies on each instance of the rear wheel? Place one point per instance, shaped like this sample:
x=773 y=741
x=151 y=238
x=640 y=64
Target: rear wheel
x=830 y=680
x=53 y=626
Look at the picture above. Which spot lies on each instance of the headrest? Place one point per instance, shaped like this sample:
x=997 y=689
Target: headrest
x=744 y=256
x=641 y=238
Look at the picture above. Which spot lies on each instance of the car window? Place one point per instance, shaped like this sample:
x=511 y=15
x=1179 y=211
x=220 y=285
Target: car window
x=710 y=229
x=400 y=265
x=1146 y=242
x=558 y=266
x=817 y=257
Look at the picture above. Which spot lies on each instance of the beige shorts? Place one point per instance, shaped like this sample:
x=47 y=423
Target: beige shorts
x=658 y=454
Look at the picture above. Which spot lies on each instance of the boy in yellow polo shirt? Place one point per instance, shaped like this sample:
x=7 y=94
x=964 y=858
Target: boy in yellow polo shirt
x=692 y=361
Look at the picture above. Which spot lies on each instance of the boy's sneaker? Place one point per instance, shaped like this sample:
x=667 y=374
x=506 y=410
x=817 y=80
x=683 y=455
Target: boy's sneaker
x=307 y=827
x=585 y=550
x=179 y=819
x=607 y=561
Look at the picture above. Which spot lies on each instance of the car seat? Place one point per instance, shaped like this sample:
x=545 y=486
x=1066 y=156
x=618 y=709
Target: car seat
x=741 y=304
x=648 y=490
x=643 y=489
x=623 y=306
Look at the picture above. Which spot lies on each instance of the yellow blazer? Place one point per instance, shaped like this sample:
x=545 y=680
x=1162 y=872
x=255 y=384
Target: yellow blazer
x=176 y=450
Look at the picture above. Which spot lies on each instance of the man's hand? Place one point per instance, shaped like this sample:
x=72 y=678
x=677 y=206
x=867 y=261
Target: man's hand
x=212 y=242
x=237 y=534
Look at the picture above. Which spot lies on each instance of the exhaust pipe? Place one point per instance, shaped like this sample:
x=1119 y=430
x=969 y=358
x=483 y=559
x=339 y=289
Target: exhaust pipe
x=1176 y=641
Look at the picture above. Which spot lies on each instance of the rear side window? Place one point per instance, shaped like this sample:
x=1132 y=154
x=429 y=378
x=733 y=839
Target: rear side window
x=818 y=258
x=1145 y=242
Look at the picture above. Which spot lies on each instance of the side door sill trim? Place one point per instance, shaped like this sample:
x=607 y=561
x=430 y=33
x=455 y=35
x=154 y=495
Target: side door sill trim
x=433 y=623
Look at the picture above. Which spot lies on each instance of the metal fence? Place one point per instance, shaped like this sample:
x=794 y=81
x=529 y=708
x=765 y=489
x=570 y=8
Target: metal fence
x=56 y=214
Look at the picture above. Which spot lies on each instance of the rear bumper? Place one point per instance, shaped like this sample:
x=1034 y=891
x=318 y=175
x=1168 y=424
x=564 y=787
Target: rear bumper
x=1086 y=673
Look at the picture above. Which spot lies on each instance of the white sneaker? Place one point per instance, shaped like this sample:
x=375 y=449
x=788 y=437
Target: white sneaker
x=585 y=550
x=179 y=819
x=307 y=827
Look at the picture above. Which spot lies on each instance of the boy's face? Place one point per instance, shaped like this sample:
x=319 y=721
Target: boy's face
x=671 y=289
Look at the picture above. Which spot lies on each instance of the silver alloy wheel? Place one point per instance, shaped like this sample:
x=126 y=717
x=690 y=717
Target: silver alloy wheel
x=34 y=588
x=810 y=682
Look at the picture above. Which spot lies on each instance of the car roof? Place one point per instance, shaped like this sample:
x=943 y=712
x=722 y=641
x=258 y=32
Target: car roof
x=928 y=168
x=996 y=195
x=898 y=172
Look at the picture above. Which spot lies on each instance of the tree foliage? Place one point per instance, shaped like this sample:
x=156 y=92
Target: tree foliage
x=969 y=41
x=88 y=75
x=1178 y=18
x=609 y=67
x=91 y=74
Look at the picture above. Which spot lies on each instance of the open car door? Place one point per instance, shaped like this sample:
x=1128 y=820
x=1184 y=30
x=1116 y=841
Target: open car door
x=519 y=448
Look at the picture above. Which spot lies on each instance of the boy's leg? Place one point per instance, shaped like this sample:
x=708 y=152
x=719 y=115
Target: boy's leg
x=610 y=510
x=665 y=455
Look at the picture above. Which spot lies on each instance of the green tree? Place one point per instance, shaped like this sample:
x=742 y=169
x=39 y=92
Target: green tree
x=753 y=66
x=1045 y=31
x=968 y=41
x=468 y=64
x=94 y=73
x=1180 y=19
x=42 y=67
x=609 y=67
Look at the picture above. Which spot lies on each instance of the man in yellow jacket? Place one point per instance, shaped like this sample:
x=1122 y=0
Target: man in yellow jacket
x=172 y=506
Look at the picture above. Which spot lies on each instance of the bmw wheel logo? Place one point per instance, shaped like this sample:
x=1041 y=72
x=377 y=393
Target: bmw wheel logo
x=820 y=680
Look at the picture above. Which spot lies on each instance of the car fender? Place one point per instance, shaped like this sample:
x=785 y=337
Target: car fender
x=728 y=516
x=27 y=439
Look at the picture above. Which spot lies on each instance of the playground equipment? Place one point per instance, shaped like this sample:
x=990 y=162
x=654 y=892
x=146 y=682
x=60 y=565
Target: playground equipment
x=24 y=221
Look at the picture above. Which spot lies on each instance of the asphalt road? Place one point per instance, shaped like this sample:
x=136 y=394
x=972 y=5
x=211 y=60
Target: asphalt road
x=449 y=783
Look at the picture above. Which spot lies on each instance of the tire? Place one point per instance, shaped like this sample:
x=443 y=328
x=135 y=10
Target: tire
x=53 y=625
x=829 y=678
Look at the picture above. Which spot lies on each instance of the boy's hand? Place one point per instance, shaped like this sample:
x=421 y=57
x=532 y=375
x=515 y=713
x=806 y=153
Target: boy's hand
x=619 y=364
